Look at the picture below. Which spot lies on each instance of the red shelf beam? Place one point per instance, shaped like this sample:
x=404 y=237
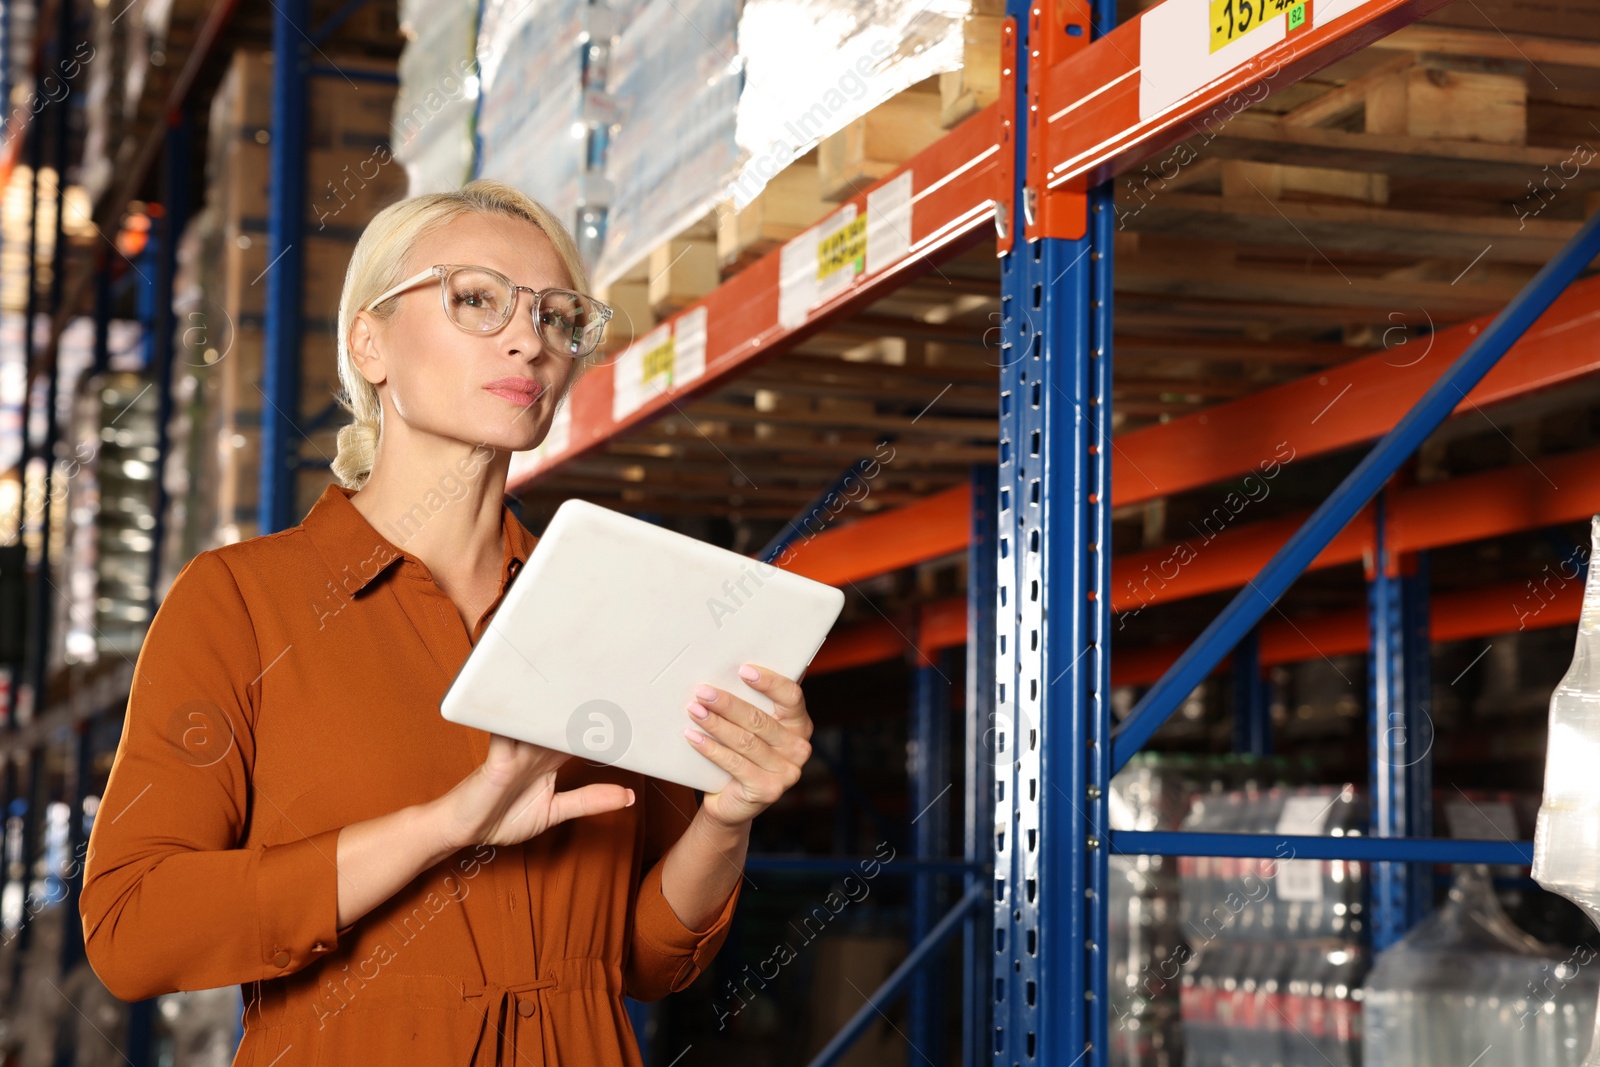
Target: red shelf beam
x=1321 y=413
x=1505 y=607
x=1354 y=402
x=1558 y=489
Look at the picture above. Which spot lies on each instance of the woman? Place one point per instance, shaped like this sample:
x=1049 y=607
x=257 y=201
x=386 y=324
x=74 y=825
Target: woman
x=289 y=811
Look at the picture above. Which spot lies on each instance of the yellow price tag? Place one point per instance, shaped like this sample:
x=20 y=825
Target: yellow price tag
x=1232 y=19
x=845 y=246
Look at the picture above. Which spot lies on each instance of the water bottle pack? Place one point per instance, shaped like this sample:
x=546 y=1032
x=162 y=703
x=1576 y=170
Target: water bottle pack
x=1276 y=943
x=1146 y=947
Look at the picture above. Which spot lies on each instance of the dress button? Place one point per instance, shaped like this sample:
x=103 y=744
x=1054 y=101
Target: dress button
x=281 y=959
x=525 y=1008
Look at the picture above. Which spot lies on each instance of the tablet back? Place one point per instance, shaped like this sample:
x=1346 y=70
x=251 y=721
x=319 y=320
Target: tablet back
x=610 y=626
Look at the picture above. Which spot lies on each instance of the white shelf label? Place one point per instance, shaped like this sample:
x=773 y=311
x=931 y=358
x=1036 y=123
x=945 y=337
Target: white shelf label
x=1185 y=45
x=1301 y=880
x=663 y=359
x=889 y=223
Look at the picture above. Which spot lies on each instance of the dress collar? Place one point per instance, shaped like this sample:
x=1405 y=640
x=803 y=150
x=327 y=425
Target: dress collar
x=356 y=552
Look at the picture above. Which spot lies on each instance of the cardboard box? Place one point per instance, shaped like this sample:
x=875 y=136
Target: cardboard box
x=345 y=187
x=244 y=378
x=323 y=265
x=345 y=110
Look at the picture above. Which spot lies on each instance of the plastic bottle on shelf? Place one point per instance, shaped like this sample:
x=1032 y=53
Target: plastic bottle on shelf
x=1345 y=882
x=1566 y=843
x=1196 y=1026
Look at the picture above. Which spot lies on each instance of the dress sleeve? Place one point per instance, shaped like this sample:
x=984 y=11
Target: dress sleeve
x=170 y=900
x=665 y=956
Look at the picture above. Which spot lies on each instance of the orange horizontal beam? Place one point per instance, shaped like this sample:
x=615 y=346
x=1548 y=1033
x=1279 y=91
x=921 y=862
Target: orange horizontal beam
x=857 y=646
x=1555 y=599
x=940 y=624
x=1504 y=607
x=1524 y=496
x=1346 y=405
x=1472 y=508
x=1476 y=507
x=1221 y=559
x=932 y=527
x=1264 y=433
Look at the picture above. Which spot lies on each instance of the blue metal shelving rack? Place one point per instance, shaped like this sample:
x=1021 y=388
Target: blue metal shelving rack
x=1039 y=732
x=1051 y=837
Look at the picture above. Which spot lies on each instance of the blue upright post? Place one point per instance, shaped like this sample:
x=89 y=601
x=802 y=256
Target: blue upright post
x=38 y=796
x=1401 y=730
x=146 y=297
x=72 y=952
x=1252 y=698
x=977 y=986
x=291 y=72
x=102 y=311
x=930 y=716
x=1053 y=665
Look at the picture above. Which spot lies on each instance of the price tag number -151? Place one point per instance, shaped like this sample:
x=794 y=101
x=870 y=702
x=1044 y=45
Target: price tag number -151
x=1232 y=19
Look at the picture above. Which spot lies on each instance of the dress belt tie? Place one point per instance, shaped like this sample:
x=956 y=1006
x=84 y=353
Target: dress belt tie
x=497 y=1040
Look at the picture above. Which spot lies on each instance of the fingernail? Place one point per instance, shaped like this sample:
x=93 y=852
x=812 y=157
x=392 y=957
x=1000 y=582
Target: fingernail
x=694 y=735
x=629 y=804
x=706 y=693
x=698 y=711
x=749 y=673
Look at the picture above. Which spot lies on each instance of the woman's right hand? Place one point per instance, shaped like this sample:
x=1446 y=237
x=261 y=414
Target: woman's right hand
x=512 y=797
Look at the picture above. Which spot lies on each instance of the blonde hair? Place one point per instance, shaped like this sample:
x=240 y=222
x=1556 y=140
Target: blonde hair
x=379 y=262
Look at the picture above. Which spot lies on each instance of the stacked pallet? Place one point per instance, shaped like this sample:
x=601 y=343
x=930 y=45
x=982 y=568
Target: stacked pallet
x=696 y=260
x=824 y=143
x=350 y=177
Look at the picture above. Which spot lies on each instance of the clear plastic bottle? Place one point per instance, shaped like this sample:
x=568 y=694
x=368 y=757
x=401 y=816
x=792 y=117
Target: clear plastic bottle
x=1566 y=843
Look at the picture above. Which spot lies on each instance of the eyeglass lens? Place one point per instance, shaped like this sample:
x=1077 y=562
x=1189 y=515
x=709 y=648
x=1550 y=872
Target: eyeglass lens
x=567 y=321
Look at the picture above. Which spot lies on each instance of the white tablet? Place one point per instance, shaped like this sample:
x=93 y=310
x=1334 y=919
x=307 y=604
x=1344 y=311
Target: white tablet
x=610 y=626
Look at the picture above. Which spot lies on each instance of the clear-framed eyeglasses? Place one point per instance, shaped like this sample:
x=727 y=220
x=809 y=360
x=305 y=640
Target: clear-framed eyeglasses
x=480 y=300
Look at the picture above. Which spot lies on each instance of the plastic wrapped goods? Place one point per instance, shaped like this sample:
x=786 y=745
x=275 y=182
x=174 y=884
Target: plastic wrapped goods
x=814 y=66
x=532 y=98
x=1467 y=987
x=438 y=94
x=1146 y=953
x=1274 y=945
x=675 y=75
x=1566 y=844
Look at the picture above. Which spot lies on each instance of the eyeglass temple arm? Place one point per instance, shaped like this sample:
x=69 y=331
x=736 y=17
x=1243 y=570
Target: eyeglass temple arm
x=415 y=279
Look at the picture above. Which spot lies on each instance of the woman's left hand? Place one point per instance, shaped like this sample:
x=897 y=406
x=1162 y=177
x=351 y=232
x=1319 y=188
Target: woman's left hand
x=763 y=752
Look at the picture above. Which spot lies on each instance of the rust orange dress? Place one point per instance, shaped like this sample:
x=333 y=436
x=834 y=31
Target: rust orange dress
x=289 y=685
